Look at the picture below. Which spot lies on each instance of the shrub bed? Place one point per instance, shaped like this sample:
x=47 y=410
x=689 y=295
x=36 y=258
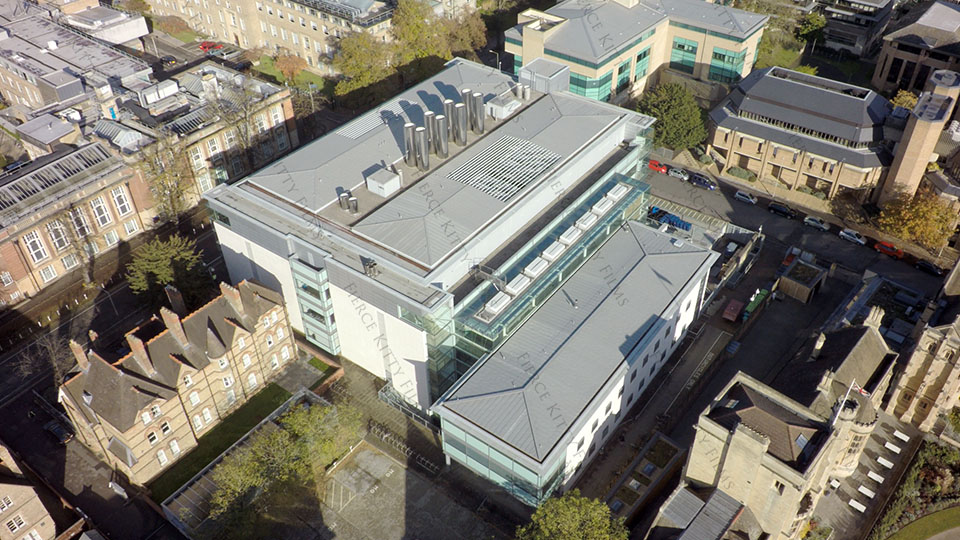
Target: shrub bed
x=742 y=174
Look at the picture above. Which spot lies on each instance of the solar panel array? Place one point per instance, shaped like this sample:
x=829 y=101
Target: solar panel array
x=505 y=167
x=50 y=175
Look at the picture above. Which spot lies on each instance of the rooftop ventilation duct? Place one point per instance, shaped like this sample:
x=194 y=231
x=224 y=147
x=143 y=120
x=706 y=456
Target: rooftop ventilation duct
x=442 y=137
x=448 y=112
x=465 y=95
x=354 y=205
x=423 y=152
x=526 y=92
x=51 y=45
x=518 y=90
x=478 y=114
x=344 y=199
x=460 y=118
x=409 y=145
x=429 y=123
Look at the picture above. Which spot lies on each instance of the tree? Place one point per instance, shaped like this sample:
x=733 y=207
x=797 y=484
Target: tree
x=679 y=123
x=465 y=34
x=810 y=27
x=809 y=70
x=168 y=171
x=905 y=99
x=238 y=113
x=573 y=517
x=923 y=218
x=72 y=228
x=174 y=261
x=363 y=61
x=49 y=352
x=290 y=65
x=421 y=45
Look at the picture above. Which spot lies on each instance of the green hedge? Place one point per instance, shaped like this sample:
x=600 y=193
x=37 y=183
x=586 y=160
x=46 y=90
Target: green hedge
x=742 y=174
x=701 y=155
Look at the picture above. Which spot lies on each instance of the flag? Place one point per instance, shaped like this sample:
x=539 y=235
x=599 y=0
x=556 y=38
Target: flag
x=860 y=389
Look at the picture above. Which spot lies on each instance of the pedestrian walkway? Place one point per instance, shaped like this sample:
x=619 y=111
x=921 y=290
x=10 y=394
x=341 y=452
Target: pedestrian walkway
x=645 y=418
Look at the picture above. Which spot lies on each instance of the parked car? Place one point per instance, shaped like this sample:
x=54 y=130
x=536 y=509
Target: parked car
x=929 y=267
x=702 y=181
x=816 y=223
x=168 y=60
x=781 y=210
x=655 y=165
x=851 y=235
x=677 y=172
x=743 y=196
x=208 y=46
x=888 y=249
x=60 y=433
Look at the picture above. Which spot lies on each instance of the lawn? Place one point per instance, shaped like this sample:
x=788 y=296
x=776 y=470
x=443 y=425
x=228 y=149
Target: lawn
x=928 y=526
x=303 y=79
x=218 y=439
x=779 y=56
x=187 y=36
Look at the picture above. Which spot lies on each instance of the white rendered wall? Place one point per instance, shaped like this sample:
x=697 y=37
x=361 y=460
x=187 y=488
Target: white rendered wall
x=384 y=345
x=246 y=260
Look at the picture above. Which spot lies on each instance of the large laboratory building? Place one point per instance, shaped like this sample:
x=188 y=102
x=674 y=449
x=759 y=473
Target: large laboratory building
x=481 y=243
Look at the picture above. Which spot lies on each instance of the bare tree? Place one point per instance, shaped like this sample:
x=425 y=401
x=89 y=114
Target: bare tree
x=50 y=352
x=240 y=108
x=167 y=168
x=72 y=228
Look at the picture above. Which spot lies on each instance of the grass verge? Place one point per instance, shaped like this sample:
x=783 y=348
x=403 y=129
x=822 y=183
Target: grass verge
x=303 y=79
x=931 y=525
x=218 y=439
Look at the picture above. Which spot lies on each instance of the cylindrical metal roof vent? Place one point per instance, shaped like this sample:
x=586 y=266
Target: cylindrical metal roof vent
x=461 y=120
x=430 y=124
x=448 y=112
x=441 y=143
x=478 y=119
x=344 y=199
x=409 y=145
x=526 y=92
x=423 y=152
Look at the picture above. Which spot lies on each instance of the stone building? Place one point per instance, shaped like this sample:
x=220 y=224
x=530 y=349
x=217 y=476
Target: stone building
x=184 y=374
x=22 y=512
x=925 y=40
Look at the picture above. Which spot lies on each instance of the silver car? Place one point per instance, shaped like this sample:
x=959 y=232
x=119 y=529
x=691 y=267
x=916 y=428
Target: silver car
x=677 y=172
x=851 y=235
x=816 y=223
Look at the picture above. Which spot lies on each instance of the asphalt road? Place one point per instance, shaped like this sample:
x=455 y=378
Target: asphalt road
x=826 y=245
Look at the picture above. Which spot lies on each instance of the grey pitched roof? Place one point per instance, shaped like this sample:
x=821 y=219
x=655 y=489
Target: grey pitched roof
x=576 y=341
x=596 y=29
x=744 y=405
x=122 y=451
x=933 y=25
x=680 y=509
x=812 y=103
x=119 y=391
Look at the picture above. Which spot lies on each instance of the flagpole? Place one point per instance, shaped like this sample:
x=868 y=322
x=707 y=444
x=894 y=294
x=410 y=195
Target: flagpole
x=840 y=408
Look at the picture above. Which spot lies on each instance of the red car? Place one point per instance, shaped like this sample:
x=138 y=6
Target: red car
x=888 y=249
x=208 y=46
x=657 y=166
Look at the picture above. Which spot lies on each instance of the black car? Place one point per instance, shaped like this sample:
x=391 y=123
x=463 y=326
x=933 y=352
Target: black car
x=929 y=267
x=60 y=433
x=781 y=210
x=168 y=61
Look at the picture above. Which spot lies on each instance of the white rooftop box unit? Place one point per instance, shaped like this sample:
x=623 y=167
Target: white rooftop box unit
x=497 y=304
x=618 y=191
x=518 y=284
x=588 y=220
x=553 y=251
x=570 y=235
x=602 y=206
x=535 y=268
x=383 y=182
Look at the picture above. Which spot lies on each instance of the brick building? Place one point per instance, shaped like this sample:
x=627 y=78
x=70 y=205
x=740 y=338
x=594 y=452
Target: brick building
x=143 y=411
x=22 y=513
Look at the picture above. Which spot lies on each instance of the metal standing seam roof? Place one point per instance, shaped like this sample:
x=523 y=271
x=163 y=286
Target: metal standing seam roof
x=531 y=390
x=714 y=519
x=444 y=209
x=45 y=128
x=596 y=29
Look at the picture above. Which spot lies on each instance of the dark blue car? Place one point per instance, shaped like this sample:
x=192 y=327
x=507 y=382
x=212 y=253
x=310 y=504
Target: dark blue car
x=702 y=181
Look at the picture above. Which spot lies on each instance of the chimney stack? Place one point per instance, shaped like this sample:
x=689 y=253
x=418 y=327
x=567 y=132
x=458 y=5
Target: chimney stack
x=80 y=355
x=441 y=146
x=172 y=321
x=874 y=317
x=409 y=145
x=139 y=352
x=232 y=294
x=423 y=152
x=461 y=119
x=176 y=300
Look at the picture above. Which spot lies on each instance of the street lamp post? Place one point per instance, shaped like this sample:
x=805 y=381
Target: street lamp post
x=498 y=58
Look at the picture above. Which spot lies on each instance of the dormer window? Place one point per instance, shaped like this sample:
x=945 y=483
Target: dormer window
x=145 y=418
x=87 y=397
x=266 y=322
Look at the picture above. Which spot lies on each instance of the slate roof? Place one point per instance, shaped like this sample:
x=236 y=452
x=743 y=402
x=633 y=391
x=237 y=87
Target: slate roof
x=837 y=109
x=596 y=29
x=576 y=341
x=742 y=404
x=934 y=26
x=119 y=391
